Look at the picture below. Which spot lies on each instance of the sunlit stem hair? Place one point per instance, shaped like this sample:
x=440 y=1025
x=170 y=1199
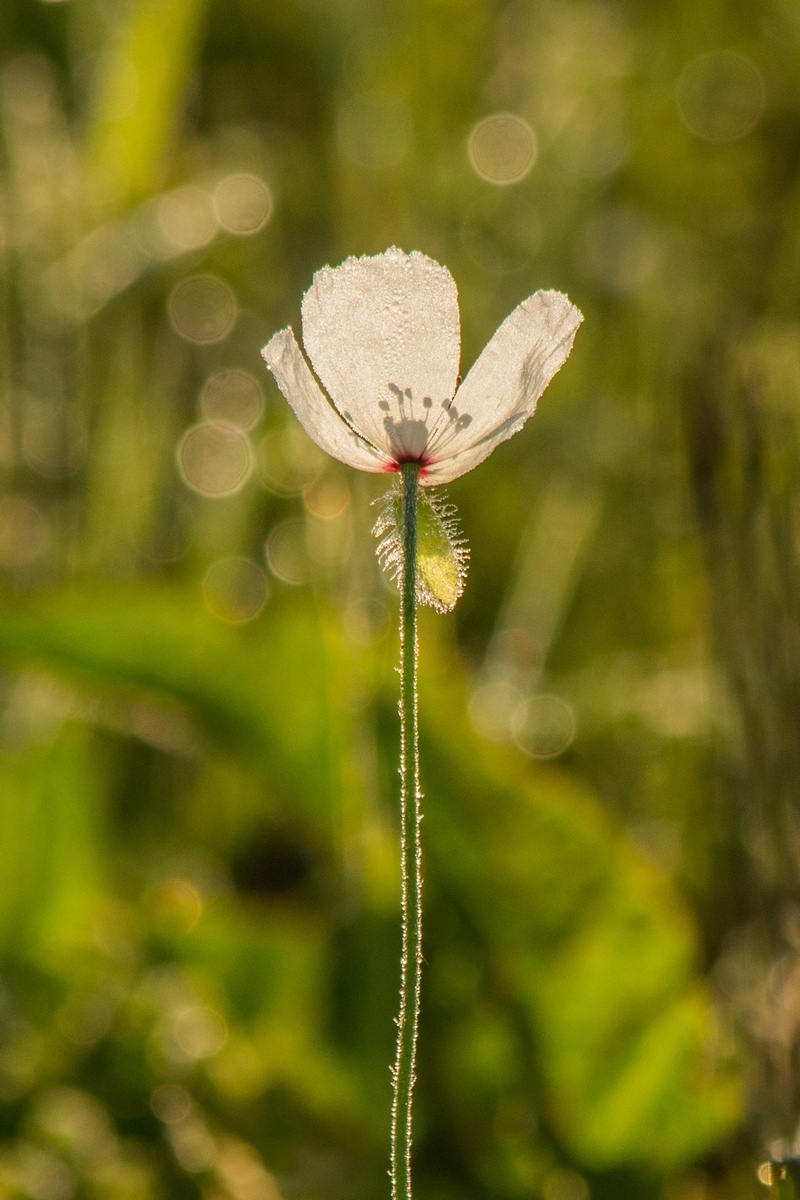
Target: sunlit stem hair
x=410 y=847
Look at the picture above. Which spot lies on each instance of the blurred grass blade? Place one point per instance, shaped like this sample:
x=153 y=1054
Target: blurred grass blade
x=140 y=88
x=51 y=842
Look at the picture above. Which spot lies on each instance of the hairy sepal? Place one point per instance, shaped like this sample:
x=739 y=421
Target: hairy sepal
x=442 y=554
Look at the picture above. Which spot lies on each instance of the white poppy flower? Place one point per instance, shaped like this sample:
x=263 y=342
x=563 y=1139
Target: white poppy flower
x=383 y=336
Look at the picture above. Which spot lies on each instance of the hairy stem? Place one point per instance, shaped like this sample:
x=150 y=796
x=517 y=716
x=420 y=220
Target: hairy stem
x=410 y=849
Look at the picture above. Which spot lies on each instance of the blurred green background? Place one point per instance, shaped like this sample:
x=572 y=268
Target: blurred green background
x=199 y=891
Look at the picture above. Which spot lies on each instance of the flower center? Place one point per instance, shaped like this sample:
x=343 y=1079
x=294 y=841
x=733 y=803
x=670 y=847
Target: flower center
x=407 y=439
x=411 y=433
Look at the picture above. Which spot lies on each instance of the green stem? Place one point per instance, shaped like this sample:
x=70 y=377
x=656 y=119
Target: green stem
x=410 y=849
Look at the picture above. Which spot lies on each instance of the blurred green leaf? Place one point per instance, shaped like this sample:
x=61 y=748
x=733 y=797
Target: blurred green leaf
x=158 y=641
x=584 y=941
x=589 y=994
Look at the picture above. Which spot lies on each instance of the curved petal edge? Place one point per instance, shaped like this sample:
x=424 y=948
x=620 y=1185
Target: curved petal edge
x=316 y=414
x=503 y=387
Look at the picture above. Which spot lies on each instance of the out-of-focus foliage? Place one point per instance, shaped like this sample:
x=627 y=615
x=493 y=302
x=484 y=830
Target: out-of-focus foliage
x=199 y=893
x=196 y=996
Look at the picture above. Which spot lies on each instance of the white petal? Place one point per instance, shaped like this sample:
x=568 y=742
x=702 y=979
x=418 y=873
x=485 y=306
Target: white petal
x=383 y=335
x=501 y=391
x=315 y=413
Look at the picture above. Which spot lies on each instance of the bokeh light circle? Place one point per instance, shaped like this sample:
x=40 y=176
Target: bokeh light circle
x=214 y=460
x=233 y=397
x=203 y=309
x=29 y=90
x=171 y=1103
x=243 y=203
x=564 y=1185
x=25 y=532
x=326 y=497
x=197 y=1032
x=288 y=461
x=491 y=710
x=287 y=554
x=186 y=218
x=235 y=589
x=502 y=148
x=721 y=96
x=543 y=726
x=364 y=621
